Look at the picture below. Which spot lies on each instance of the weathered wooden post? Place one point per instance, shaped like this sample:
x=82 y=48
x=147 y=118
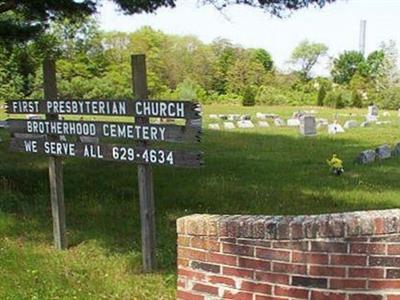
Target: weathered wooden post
x=145 y=173
x=55 y=163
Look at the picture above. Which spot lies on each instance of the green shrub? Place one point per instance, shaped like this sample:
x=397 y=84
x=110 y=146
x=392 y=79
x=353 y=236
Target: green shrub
x=249 y=97
x=321 y=95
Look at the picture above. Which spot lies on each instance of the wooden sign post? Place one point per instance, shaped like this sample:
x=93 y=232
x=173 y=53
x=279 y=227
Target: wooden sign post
x=145 y=173
x=55 y=163
x=44 y=137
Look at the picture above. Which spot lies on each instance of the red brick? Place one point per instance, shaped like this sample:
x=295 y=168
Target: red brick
x=204 y=243
x=272 y=277
x=289 y=268
x=394 y=249
x=327 y=296
x=379 y=225
x=333 y=247
x=260 y=297
x=181 y=283
x=222 y=259
x=366 y=273
x=238 y=272
x=191 y=274
x=254 y=287
x=365 y=297
x=260 y=243
x=364 y=248
x=256 y=264
x=238 y=249
x=291 y=245
x=349 y=260
x=183 y=295
x=310 y=258
x=393 y=297
x=327 y=271
x=291 y=292
x=273 y=254
x=204 y=288
x=384 y=284
x=221 y=280
x=191 y=254
x=238 y=295
x=347 y=284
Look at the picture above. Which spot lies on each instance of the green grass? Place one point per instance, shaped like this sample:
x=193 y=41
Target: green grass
x=260 y=171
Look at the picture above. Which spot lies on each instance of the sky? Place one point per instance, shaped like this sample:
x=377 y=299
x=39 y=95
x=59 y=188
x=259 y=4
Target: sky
x=337 y=25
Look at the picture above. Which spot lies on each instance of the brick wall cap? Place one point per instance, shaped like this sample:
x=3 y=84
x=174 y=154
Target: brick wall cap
x=349 y=224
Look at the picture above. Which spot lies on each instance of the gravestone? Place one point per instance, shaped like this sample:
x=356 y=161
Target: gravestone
x=245 y=117
x=223 y=117
x=261 y=116
x=383 y=152
x=279 y=122
x=213 y=116
x=229 y=125
x=350 y=124
x=293 y=122
x=308 y=126
x=213 y=126
x=365 y=124
x=245 y=124
x=373 y=113
x=366 y=157
x=383 y=123
x=263 y=124
x=386 y=114
x=335 y=128
x=233 y=117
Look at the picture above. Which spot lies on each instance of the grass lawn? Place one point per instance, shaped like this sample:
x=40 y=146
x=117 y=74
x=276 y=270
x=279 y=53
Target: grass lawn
x=258 y=171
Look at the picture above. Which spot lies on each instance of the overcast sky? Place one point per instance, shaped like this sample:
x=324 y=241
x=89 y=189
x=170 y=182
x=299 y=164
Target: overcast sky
x=337 y=25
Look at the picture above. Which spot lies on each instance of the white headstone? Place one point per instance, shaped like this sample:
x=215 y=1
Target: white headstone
x=335 y=128
x=213 y=126
x=260 y=116
x=229 y=125
x=245 y=124
x=263 y=124
x=214 y=117
x=279 y=122
x=233 y=117
x=293 y=122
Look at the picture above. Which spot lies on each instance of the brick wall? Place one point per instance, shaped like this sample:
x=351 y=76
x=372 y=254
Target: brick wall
x=350 y=256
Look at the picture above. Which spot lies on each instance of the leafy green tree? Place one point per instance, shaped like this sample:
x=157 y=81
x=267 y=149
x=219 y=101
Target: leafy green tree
x=249 y=96
x=346 y=65
x=306 y=55
x=263 y=57
x=321 y=95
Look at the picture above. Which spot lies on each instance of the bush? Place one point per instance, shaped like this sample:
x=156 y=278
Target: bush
x=356 y=99
x=338 y=98
x=249 y=97
x=321 y=95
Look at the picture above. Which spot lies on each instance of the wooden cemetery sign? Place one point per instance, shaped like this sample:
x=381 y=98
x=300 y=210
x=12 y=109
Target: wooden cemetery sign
x=60 y=138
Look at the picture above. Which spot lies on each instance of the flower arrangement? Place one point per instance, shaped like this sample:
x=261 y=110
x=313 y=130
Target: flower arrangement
x=336 y=165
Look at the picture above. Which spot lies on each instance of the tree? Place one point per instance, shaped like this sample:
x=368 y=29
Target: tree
x=32 y=17
x=346 y=65
x=390 y=70
x=262 y=56
x=321 y=95
x=306 y=55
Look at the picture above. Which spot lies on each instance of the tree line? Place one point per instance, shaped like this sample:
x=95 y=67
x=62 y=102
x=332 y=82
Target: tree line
x=96 y=64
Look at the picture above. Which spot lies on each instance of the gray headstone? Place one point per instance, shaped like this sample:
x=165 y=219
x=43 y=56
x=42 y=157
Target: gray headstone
x=245 y=124
x=365 y=124
x=245 y=117
x=373 y=110
x=383 y=152
x=366 y=157
x=308 y=126
x=350 y=124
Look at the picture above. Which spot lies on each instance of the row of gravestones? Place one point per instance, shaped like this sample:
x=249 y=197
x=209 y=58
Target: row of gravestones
x=380 y=153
